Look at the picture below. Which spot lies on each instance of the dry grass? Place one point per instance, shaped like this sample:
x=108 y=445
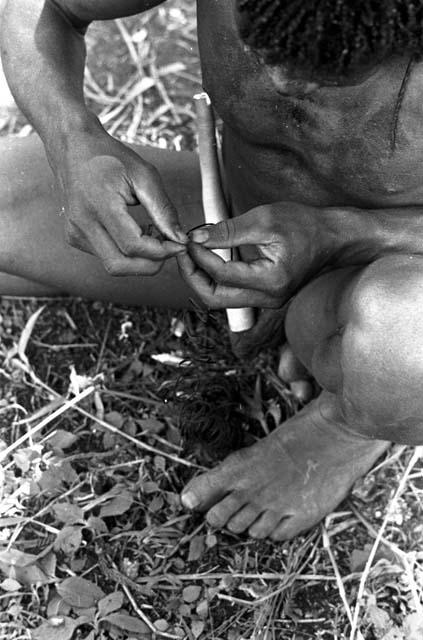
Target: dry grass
x=93 y=459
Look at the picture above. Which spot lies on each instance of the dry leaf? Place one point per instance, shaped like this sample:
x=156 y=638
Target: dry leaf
x=9 y=584
x=26 y=333
x=413 y=626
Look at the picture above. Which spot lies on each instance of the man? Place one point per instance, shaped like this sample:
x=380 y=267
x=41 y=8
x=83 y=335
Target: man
x=323 y=159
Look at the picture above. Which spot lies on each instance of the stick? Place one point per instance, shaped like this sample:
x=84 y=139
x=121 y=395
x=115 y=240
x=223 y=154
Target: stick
x=214 y=203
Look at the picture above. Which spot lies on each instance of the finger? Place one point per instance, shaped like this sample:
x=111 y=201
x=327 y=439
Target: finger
x=258 y=274
x=161 y=210
x=249 y=228
x=216 y=296
x=129 y=237
x=115 y=263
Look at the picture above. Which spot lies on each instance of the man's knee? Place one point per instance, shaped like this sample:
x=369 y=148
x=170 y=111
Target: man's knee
x=382 y=349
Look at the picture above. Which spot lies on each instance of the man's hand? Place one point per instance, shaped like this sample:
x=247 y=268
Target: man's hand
x=292 y=244
x=100 y=178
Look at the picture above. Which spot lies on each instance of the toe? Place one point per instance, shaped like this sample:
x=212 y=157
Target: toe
x=288 y=528
x=243 y=519
x=208 y=489
x=203 y=492
x=290 y=368
x=221 y=513
x=264 y=525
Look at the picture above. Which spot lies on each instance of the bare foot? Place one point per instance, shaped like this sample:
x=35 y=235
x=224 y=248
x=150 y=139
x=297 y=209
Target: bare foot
x=287 y=482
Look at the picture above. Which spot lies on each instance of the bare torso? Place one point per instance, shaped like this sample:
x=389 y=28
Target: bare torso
x=330 y=147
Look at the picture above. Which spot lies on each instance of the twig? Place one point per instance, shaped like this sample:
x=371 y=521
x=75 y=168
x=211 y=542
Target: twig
x=235 y=576
x=144 y=618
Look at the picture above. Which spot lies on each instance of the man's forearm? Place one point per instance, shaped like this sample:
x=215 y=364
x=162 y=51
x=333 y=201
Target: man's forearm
x=44 y=57
x=359 y=236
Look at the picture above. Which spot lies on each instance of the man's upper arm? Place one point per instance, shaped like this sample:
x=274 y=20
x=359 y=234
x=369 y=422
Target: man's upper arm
x=82 y=12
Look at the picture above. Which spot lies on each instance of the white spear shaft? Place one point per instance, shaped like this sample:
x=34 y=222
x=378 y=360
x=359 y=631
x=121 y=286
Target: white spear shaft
x=214 y=203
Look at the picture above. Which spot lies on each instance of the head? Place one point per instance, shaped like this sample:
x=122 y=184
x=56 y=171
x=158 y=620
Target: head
x=331 y=40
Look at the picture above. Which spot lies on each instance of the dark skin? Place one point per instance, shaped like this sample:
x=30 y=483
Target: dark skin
x=327 y=214
x=319 y=147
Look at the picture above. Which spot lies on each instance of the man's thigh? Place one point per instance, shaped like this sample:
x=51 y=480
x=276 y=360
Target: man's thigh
x=32 y=238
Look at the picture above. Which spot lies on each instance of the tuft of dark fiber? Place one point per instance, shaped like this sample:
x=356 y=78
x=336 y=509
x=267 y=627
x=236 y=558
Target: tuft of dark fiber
x=210 y=416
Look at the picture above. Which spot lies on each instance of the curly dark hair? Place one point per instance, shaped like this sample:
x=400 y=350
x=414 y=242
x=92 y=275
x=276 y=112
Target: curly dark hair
x=332 y=35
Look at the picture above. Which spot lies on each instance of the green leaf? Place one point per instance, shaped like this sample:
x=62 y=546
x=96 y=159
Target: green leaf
x=79 y=592
x=379 y=618
x=55 y=629
x=16 y=558
x=57 y=607
x=27 y=568
x=117 y=505
x=196 y=548
x=68 y=513
x=110 y=603
x=202 y=609
x=152 y=425
x=114 y=418
x=161 y=625
x=97 y=524
x=197 y=628
x=128 y=623
x=191 y=593
x=69 y=540
x=62 y=439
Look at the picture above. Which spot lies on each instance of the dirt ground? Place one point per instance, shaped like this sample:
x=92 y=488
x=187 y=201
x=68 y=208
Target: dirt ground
x=96 y=442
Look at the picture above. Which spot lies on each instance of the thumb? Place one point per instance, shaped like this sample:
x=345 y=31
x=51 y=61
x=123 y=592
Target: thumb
x=234 y=232
x=151 y=193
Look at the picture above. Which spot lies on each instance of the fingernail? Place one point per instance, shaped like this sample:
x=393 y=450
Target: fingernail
x=189 y=500
x=199 y=235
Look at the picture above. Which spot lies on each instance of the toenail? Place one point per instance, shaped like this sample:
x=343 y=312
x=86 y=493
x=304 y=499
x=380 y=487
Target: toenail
x=190 y=500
